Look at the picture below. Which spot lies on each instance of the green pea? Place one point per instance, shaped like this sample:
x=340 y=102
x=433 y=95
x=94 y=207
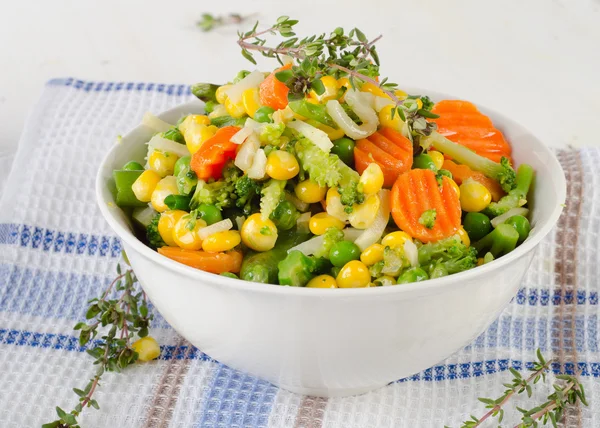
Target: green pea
x=438 y=271
x=182 y=163
x=335 y=271
x=230 y=275
x=344 y=148
x=424 y=161
x=343 y=252
x=477 y=225
x=209 y=213
x=264 y=114
x=414 y=274
x=133 y=166
x=285 y=215
x=521 y=225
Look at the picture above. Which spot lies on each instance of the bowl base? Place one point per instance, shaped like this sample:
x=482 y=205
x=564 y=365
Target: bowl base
x=331 y=392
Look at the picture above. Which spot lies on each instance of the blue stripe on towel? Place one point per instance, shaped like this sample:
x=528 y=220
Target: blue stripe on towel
x=169 y=89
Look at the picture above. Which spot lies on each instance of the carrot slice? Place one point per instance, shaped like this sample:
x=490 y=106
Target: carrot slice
x=209 y=160
x=388 y=148
x=272 y=92
x=230 y=261
x=417 y=191
x=461 y=122
x=461 y=172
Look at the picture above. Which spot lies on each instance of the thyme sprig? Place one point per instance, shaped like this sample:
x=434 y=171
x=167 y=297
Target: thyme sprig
x=209 y=21
x=118 y=321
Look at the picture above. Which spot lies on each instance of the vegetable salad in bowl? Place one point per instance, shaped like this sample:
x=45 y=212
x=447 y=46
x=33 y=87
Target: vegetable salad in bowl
x=322 y=174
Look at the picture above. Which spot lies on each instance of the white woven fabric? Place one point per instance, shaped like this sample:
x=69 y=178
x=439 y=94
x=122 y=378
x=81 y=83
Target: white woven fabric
x=56 y=252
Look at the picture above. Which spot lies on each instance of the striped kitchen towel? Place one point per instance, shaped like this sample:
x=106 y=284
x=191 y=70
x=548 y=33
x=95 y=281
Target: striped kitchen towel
x=56 y=252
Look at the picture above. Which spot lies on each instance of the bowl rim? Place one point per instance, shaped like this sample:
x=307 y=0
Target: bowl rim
x=127 y=235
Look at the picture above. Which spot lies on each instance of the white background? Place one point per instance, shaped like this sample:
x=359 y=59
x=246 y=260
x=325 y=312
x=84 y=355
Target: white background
x=537 y=61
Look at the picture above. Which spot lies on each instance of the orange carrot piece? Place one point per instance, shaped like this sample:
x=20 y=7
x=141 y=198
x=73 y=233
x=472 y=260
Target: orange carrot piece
x=417 y=191
x=388 y=148
x=230 y=261
x=272 y=92
x=462 y=172
x=209 y=160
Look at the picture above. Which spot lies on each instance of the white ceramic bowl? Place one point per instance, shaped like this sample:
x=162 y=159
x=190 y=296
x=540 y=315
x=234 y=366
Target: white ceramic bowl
x=336 y=342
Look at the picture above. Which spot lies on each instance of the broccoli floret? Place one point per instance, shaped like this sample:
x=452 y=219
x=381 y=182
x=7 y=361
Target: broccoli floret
x=271 y=133
x=348 y=187
x=330 y=237
x=272 y=194
x=218 y=193
x=322 y=167
x=517 y=197
x=174 y=134
x=501 y=172
x=246 y=190
x=296 y=269
x=447 y=255
x=152 y=235
x=427 y=103
x=428 y=217
x=394 y=261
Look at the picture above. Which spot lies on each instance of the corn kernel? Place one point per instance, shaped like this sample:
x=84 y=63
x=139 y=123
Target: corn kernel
x=419 y=103
x=162 y=162
x=372 y=179
x=166 y=224
x=464 y=237
x=259 y=234
x=221 y=241
x=198 y=119
x=331 y=89
x=145 y=184
x=332 y=133
x=221 y=95
x=372 y=254
x=395 y=239
x=374 y=89
x=185 y=232
x=235 y=110
x=474 y=196
x=354 y=274
x=334 y=205
x=251 y=101
x=310 y=192
x=363 y=215
x=319 y=223
x=282 y=165
x=147 y=348
x=322 y=281
x=437 y=158
x=400 y=94
x=165 y=187
x=196 y=134
x=480 y=261
x=344 y=82
x=385 y=118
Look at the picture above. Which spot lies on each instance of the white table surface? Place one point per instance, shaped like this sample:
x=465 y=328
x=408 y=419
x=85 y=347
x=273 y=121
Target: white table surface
x=537 y=61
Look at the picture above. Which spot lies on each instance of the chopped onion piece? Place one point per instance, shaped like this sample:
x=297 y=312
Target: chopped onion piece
x=258 y=169
x=312 y=245
x=373 y=233
x=362 y=109
x=143 y=215
x=241 y=136
x=220 y=226
x=253 y=80
x=380 y=102
x=302 y=223
x=503 y=217
x=245 y=156
x=155 y=123
x=239 y=221
x=351 y=233
x=300 y=206
x=315 y=135
x=159 y=143
x=411 y=252
x=254 y=125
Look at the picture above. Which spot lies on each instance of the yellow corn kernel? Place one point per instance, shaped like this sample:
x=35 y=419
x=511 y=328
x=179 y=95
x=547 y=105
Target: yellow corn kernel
x=322 y=281
x=332 y=133
x=354 y=274
x=222 y=241
x=310 y=192
x=282 y=165
x=474 y=196
x=372 y=254
x=196 y=134
x=385 y=118
x=185 y=232
x=165 y=187
x=400 y=94
x=235 y=109
x=437 y=158
x=363 y=215
x=331 y=89
x=319 y=223
x=464 y=236
x=334 y=205
x=145 y=184
x=372 y=179
x=480 y=261
x=162 y=162
x=221 y=95
x=395 y=239
x=259 y=234
x=198 y=119
x=344 y=82
x=251 y=101
x=419 y=103
x=218 y=111
x=166 y=224
x=455 y=187
x=374 y=89
x=147 y=348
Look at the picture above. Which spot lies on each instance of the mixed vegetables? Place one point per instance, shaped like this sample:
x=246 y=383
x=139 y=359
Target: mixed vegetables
x=336 y=182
